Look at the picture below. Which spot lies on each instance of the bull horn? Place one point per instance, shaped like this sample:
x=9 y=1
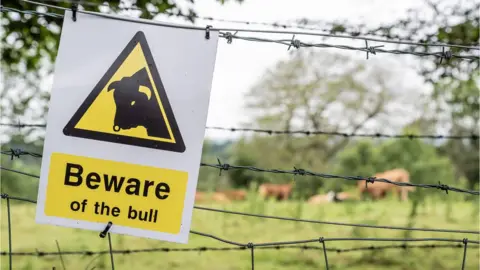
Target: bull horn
x=145 y=90
x=113 y=85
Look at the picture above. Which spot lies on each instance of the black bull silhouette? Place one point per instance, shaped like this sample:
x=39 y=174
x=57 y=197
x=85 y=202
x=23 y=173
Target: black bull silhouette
x=136 y=105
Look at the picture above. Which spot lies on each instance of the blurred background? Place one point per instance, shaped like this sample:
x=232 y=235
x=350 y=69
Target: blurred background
x=269 y=87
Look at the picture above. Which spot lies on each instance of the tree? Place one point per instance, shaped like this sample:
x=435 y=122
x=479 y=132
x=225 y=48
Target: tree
x=419 y=158
x=209 y=178
x=317 y=90
x=30 y=43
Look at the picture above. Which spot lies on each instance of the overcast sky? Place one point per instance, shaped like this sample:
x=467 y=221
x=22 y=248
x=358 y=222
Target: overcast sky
x=240 y=64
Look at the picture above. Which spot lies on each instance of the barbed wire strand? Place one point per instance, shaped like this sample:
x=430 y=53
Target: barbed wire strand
x=251 y=245
x=302 y=132
x=39 y=253
x=295 y=43
x=312 y=221
x=296 y=171
x=322 y=240
x=285 y=25
x=290 y=32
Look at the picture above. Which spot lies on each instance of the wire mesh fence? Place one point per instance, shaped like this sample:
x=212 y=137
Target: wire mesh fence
x=314 y=243
x=298 y=244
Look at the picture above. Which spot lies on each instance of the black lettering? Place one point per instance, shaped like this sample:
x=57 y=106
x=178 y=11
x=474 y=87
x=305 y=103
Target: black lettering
x=96 y=207
x=141 y=217
x=105 y=208
x=92 y=177
x=133 y=187
x=113 y=182
x=75 y=206
x=115 y=211
x=155 y=218
x=162 y=187
x=132 y=213
x=69 y=173
x=148 y=184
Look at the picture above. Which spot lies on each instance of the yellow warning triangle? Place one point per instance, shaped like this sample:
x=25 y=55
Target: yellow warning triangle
x=129 y=104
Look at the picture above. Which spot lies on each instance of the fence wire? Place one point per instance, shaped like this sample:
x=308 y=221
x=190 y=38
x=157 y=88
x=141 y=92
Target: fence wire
x=242 y=246
x=329 y=27
x=39 y=253
x=292 y=244
x=301 y=132
x=330 y=32
x=295 y=172
x=296 y=43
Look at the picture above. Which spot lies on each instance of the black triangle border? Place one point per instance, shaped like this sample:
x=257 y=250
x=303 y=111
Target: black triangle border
x=69 y=129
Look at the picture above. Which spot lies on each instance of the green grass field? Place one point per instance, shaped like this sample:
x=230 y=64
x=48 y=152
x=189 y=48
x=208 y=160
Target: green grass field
x=28 y=236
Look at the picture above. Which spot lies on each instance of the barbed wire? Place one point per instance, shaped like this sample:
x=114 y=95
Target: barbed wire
x=332 y=26
x=303 y=132
x=39 y=253
x=263 y=245
x=17 y=152
x=296 y=43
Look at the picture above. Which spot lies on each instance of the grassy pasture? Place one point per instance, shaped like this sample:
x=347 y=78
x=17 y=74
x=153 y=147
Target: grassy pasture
x=28 y=236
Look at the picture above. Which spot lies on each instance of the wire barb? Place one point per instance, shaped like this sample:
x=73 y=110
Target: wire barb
x=295 y=43
x=371 y=49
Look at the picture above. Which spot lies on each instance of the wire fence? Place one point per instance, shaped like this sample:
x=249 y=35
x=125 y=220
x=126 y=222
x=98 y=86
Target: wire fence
x=301 y=132
x=297 y=244
x=329 y=27
x=226 y=33
x=320 y=241
x=296 y=171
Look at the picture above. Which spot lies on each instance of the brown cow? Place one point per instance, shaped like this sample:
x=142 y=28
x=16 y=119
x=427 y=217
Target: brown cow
x=235 y=195
x=278 y=191
x=378 y=190
x=220 y=197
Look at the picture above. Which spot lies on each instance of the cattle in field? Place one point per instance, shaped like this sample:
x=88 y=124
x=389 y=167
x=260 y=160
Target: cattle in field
x=278 y=191
x=344 y=196
x=235 y=195
x=220 y=197
x=379 y=190
x=136 y=105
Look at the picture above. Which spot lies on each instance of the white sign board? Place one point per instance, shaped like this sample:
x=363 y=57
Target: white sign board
x=125 y=127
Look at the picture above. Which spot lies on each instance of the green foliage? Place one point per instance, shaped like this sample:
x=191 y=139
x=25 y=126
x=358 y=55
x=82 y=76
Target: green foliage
x=209 y=179
x=420 y=159
x=15 y=184
x=30 y=44
x=244 y=156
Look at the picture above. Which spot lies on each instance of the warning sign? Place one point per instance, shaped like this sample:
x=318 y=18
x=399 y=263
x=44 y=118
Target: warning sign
x=129 y=104
x=130 y=195
x=125 y=127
